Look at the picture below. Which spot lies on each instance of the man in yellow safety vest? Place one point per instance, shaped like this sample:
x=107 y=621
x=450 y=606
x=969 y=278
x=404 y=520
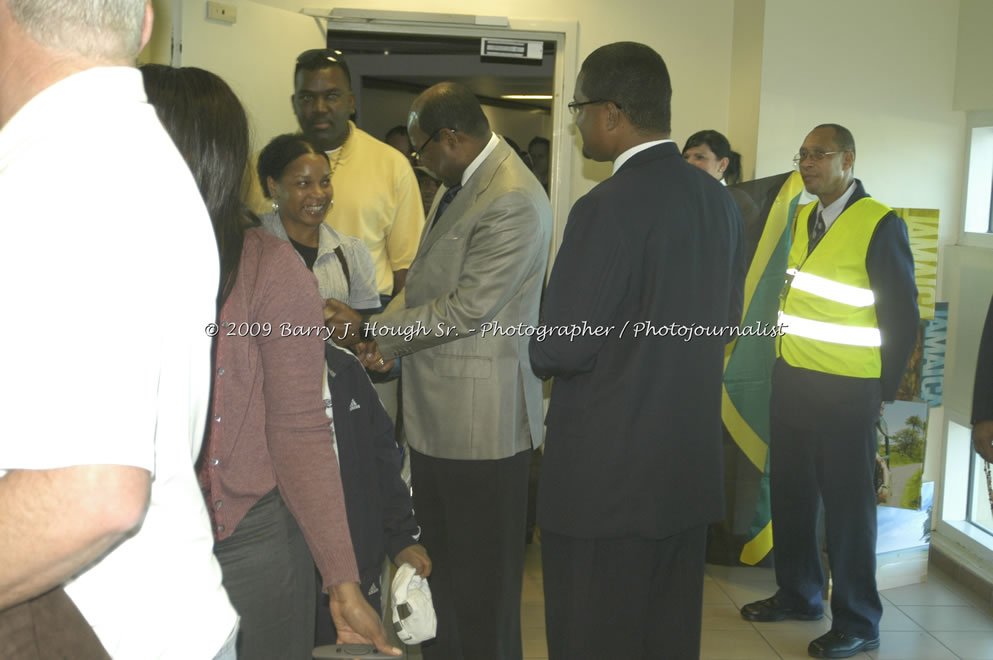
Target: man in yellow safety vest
x=849 y=319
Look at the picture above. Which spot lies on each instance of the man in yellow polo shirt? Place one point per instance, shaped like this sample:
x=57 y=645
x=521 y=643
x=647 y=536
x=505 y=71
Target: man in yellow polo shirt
x=849 y=316
x=376 y=197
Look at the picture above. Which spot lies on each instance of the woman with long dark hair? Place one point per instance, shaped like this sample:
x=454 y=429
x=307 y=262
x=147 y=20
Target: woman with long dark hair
x=268 y=471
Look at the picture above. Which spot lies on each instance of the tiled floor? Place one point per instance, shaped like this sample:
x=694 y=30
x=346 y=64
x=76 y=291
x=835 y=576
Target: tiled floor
x=937 y=620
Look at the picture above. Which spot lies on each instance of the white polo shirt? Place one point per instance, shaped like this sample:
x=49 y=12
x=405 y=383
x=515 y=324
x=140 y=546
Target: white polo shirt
x=109 y=273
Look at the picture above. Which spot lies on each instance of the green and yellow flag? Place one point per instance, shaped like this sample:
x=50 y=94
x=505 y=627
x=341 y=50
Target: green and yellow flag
x=769 y=206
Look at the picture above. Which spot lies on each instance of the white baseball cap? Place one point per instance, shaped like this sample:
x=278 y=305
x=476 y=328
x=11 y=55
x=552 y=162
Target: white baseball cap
x=414 y=619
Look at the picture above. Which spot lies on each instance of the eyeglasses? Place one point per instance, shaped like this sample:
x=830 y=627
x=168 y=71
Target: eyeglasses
x=815 y=156
x=418 y=150
x=574 y=106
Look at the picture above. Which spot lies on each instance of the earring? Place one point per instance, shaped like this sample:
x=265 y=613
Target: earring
x=332 y=203
x=275 y=206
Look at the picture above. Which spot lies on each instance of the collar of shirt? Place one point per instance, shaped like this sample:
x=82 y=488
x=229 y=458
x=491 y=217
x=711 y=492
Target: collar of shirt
x=89 y=92
x=478 y=160
x=328 y=239
x=831 y=212
x=336 y=156
x=636 y=149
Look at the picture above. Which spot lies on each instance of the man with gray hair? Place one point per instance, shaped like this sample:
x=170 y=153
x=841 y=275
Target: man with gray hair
x=97 y=489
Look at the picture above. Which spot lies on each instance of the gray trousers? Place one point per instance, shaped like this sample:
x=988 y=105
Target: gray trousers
x=269 y=576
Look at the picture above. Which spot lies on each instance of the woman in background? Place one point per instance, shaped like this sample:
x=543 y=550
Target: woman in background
x=268 y=471
x=711 y=152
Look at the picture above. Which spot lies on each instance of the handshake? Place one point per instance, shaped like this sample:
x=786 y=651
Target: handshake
x=345 y=326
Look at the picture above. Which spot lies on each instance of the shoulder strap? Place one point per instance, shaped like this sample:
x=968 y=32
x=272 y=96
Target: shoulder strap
x=344 y=266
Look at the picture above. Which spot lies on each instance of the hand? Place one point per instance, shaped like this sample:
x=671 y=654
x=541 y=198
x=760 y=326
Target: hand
x=883 y=493
x=344 y=322
x=356 y=621
x=982 y=439
x=417 y=556
x=370 y=357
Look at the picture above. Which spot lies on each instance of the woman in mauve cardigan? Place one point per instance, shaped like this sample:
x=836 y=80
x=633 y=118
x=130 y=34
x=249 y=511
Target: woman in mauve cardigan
x=268 y=471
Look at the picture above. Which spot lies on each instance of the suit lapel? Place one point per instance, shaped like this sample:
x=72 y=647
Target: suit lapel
x=464 y=200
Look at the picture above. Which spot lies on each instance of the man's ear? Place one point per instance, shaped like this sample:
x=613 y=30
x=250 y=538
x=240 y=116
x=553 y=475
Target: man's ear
x=847 y=160
x=613 y=116
x=450 y=137
x=146 y=25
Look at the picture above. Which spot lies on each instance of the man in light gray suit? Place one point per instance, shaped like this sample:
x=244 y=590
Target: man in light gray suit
x=471 y=404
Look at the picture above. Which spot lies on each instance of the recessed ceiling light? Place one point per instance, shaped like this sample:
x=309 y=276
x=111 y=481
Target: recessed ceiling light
x=527 y=97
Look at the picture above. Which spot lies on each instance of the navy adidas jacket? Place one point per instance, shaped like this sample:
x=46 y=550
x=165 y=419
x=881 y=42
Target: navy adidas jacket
x=380 y=510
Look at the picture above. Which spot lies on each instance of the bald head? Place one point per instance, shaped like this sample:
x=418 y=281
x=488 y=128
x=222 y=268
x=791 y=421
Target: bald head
x=450 y=105
x=447 y=130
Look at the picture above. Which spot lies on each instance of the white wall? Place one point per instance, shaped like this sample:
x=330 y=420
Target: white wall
x=974 y=75
x=256 y=56
x=158 y=49
x=746 y=82
x=885 y=70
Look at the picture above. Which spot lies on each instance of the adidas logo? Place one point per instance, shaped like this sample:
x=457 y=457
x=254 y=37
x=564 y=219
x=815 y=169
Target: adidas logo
x=353 y=406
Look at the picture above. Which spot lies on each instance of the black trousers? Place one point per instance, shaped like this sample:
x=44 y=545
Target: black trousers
x=628 y=597
x=806 y=467
x=473 y=515
x=269 y=576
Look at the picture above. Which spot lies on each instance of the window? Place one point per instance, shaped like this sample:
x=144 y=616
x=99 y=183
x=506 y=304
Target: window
x=980 y=511
x=979 y=181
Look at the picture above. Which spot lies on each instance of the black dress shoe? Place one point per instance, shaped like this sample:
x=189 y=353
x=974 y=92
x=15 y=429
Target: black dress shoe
x=772 y=609
x=836 y=644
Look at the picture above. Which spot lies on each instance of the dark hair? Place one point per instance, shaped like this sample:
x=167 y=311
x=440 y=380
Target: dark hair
x=451 y=105
x=718 y=144
x=208 y=125
x=539 y=140
x=842 y=137
x=321 y=58
x=279 y=153
x=396 y=130
x=635 y=78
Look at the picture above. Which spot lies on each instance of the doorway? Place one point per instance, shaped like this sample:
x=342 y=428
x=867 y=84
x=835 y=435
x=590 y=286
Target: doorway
x=393 y=58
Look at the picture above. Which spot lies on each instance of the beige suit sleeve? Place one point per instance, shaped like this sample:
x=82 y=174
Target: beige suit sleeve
x=499 y=255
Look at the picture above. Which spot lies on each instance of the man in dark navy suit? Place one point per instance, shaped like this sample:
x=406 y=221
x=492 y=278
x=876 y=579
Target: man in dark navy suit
x=648 y=278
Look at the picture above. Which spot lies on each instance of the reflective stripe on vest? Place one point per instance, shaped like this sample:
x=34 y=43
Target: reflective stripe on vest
x=825 y=288
x=828 y=309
